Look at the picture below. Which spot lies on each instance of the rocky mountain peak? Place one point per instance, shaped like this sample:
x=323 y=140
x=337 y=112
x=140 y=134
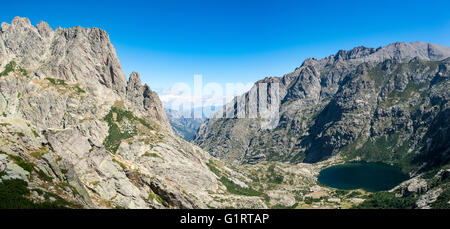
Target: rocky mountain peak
x=355 y=53
x=44 y=29
x=74 y=54
x=340 y=100
x=146 y=100
x=134 y=81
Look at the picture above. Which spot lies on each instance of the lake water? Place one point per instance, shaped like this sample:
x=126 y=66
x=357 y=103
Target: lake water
x=369 y=176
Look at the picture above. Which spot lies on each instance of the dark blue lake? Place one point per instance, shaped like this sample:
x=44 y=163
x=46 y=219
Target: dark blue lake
x=369 y=176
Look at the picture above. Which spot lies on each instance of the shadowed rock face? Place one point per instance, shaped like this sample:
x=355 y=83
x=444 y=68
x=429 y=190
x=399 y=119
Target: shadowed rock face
x=376 y=104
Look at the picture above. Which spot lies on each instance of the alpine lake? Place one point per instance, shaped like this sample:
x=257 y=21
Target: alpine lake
x=369 y=176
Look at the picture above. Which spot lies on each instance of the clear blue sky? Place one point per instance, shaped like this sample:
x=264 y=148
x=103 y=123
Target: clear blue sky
x=238 y=41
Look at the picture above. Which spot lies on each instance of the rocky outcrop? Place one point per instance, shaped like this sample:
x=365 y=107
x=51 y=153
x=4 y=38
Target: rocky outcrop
x=74 y=127
x=76 y=55
x=374 y=104
x=145 y=99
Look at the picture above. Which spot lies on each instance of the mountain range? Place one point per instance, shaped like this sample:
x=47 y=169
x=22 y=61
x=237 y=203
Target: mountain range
x=75 y=132
x=389 y=104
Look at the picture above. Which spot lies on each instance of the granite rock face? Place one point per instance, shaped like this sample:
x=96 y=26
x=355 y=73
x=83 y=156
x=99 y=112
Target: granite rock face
x=380 y=104
x=74 y=126
x=76 y=55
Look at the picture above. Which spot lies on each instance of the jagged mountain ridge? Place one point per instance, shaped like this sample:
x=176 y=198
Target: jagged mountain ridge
x=333 y=103
x=76 y=133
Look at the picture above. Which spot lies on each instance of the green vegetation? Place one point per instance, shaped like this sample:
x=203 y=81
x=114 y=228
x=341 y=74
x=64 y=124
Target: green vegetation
x=281 y=206
x=128 y=129
x=23 y=71
x=56 y=81
x=310 y=200
x=60 y=82
x=354 y=194
x=378 y=76
x=237 y=189
x=44 y=176
x=36 y=135
x=11 y=67
x=8 y=68
x=20 y=134
x=148 y=154
x=387 y=200
x=213 y=168
x=122 y=165
x=78 y=89
x=274 y=177
x=152 y=196
x=397 y=96
x=22 y=163
x=66 y=186
x=387 y=149
x=442 y=202
x=115 y=134
x=13 y=195
x=230 y=185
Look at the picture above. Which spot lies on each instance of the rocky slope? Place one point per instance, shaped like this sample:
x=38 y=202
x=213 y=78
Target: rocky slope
x=74 y=132
x=389 y=104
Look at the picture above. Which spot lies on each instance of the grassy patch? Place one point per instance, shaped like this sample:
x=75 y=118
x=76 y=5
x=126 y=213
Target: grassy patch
x=387 y=200
x=13 y=66
x=115 y=133
x=397 y=96
x=56 y=81
x=22 y=163
x=78 y=89
x=387 y=149
x=13 y=195
x=213 y=168
x=377 y=75
x=122 y=125
x=44 y=176
x=122 y=165
x=153 y=196
x=273 y=176
x=148 y=154
x=66 y=186
x=35 y=133
x=237 y=189
x=442 y=202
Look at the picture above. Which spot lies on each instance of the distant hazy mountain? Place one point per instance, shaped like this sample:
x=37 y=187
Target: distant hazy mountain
x=184 y=124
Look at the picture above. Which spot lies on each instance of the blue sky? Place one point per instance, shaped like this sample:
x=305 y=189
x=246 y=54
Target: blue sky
x=238 y=41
